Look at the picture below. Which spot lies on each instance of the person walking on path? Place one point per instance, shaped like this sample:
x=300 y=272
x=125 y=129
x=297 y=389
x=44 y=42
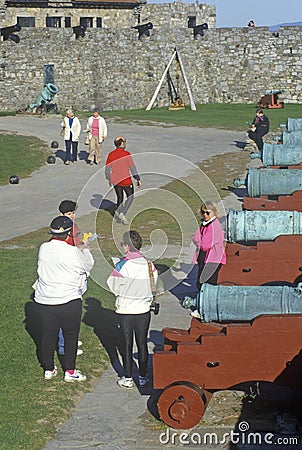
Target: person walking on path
x=119 y=169
x=62 y=279
x=259 y=128
x=97 y=133
x=71 y=128
x=131 y=283
x=210 y=245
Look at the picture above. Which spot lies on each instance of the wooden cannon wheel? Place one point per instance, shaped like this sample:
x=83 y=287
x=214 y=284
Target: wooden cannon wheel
x=182 y=405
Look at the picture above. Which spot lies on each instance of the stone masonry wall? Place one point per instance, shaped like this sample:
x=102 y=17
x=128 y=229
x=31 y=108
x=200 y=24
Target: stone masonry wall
x=111 y=68
x=171 y=14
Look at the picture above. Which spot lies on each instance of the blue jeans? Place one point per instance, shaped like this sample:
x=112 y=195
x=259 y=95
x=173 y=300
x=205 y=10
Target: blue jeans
x=74 y=146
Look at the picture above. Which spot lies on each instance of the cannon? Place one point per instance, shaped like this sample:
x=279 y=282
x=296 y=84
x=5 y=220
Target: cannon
x=279 y=155
x=294 y=124
x=44 y=99
x=268 y=181
x=9 y=33
x=245 y=265
x=291 y=138
x=251 y=226
x=282 y=202
x=212 y=356
x=244 y=303
x=271 y=100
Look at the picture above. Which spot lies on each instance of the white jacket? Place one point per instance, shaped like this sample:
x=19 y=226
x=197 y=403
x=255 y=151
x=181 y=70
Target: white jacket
x=75 y=129
x=63 y=270
x=102 y=128
x=130 y=282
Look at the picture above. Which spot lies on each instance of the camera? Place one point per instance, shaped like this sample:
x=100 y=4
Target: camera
x=155 y=308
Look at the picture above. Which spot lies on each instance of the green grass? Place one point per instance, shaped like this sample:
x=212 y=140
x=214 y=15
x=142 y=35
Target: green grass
x=225 y=115
x=20 y=155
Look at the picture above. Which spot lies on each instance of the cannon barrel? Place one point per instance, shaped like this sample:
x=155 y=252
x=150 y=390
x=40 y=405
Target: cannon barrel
x=244 y=303
x=250 y=226
x=47 y=94
x=292 y=138
x=294 y=124
x=278 y=155
x=266 y=181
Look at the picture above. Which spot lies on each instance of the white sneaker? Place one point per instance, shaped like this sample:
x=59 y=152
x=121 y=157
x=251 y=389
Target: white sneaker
x=49 y=374
x=123 y=219
x=80 y=343
x=79 y=352
x=76 y=376
x=195 y=314
x=125 y=382
x=142 y=381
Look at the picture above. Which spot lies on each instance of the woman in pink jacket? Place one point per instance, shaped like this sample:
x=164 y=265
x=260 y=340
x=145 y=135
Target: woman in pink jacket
x=210 y=245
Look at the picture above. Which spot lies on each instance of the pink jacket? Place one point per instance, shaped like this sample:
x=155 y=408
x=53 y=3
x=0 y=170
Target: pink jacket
x=210 y=239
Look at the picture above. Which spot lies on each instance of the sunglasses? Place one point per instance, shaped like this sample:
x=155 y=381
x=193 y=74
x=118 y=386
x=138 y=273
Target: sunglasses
x=206 y=212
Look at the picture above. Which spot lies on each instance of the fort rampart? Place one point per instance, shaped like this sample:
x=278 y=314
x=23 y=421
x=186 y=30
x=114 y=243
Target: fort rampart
x=114 y=69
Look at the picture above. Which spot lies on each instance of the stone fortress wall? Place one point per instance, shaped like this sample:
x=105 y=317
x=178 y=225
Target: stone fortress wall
x=113 y=69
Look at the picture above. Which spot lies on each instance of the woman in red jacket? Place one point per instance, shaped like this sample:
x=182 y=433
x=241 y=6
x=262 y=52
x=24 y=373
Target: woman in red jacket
x=210 y=245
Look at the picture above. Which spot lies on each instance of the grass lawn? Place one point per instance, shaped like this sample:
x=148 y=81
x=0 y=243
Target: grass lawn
x=20 y=155
x=225 y=115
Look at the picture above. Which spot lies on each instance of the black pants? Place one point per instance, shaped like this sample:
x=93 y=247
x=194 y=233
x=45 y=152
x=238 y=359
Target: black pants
x=129 y=191
x=74 y=146
x=258 y=138
x=207 y=272
x=53 y=317
x=139 y=325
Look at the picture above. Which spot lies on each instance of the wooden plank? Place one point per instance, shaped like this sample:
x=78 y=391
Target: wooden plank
x=193 y=107
x=160 y=83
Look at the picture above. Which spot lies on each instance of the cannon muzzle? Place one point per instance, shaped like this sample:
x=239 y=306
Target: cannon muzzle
x=255 y=155
x=244 y=303
x=267 y=181
x=239 y=182
x=280 y=155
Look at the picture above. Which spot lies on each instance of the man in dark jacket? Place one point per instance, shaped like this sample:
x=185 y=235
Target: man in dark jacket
x=259 y=128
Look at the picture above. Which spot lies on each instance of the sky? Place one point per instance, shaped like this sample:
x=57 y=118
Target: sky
x=237 y=13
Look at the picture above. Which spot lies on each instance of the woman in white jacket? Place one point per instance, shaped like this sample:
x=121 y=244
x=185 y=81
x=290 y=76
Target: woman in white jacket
x=130 y=282
x=72 y=129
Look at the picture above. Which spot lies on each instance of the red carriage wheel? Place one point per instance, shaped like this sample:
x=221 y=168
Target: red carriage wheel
x=182 y=405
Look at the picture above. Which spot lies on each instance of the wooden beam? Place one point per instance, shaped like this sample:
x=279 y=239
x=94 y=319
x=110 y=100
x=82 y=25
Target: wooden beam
x=160 y=83
x=193 y=107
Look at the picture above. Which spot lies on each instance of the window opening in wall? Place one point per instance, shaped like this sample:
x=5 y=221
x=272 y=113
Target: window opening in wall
x=191 y=21
x=99 y=23
x=53 y=22
x=86 y=22
x=26 y=22
x=67 y=22
x=49 y=73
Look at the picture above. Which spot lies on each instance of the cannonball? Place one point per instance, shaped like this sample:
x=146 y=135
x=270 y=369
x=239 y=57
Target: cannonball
x=51 y=159
x=54 y=144
x=14 y=179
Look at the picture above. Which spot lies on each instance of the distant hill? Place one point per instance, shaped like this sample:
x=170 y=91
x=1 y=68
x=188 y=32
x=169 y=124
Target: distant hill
x=292 y=24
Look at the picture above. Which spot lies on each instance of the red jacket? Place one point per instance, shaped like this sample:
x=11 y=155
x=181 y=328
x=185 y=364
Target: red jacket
x=119 y=167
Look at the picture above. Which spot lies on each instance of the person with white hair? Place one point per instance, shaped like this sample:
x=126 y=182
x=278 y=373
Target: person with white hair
x=71 y=129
